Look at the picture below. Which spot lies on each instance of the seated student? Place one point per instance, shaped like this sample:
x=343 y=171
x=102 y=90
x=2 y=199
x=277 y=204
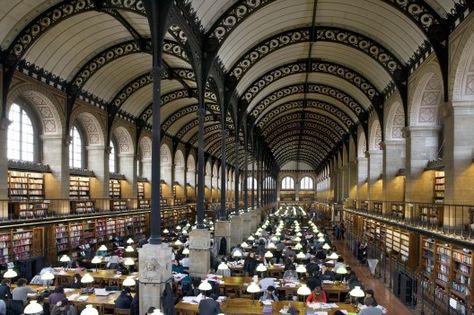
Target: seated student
x=266 y=282
x=269 y=294
x=208 y=306
x=176 y=267
x=124 y=300
x=318 y=295
x=114 y=262
x=20 y=293
x=192 y=288
x=5 y=293
x=370 y=309
x=57 y=295
x=76 y=282
x=64 y=308
x=3 y=307
x=328 y=275
x=313 y=281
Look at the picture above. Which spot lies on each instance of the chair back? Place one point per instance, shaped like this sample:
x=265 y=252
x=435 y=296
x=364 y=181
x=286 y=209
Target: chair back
x=122 y=311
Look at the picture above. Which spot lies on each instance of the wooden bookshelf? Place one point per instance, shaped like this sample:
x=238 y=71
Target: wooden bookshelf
x=118 y=204
x=75 y=235
x=61 y=235
x=443 y=264
x=101 y=230
x=5 y=249
x=26 y=194
x=120 y=227
x=439 y=187
x=432 y=214
x=141 y=190
x=427 y=257
x=22 y=244
x=79 y=188
x=110 y=229
x=397 y=211
x=82 y=206
x=89 y=232
x=114 y=189
x=462 y=273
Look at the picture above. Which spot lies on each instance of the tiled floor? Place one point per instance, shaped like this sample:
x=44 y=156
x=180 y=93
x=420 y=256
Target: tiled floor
x=383 y=295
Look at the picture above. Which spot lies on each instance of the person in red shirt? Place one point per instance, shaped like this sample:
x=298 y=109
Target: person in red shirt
x=317 y=296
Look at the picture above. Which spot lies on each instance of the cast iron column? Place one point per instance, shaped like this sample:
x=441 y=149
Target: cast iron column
x=222 y=212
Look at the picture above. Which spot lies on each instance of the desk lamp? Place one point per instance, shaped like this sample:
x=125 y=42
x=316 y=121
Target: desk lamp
x=129 y=262
x=129 y=249
x=87 y=279
x=33 y=308
x=326 y=246
x=96 y=260
x=156 y=311
x=186 y=251
x=253 y=289
x=89 y=310
x=303 y=290
x=356 y=293
x=129 y=241
x=205 y=286
x=333 y=256
x=129 y=282
x=47 y=277
x=10 y=273
x=261 y=268
x=65 y=259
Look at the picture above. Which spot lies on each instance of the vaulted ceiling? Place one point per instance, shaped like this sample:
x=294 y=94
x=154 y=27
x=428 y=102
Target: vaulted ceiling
x=305 y=72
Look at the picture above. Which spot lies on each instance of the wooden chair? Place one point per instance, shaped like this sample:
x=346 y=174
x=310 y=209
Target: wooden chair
x=121 y=311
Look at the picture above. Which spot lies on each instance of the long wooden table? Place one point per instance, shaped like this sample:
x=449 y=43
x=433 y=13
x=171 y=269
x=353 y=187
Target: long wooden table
x=107 y=277
x=236 y=286
x=240 y=306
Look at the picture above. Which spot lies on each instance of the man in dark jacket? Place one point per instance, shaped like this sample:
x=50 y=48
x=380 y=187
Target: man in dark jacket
x=5 y=293
x=209 y=306
x=124 y=299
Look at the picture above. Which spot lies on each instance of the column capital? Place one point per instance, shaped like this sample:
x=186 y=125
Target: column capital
x=4 y=123
x=392 y=143
x=420 y=131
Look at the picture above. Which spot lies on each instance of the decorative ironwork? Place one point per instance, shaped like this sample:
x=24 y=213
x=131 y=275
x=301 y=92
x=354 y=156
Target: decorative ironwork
x=323 y=34
x=233 y=17
x=342 y=72
x=178 y=34
x=294 y=134
x=295 y=127
x=274 y=125
x=333 y=92
x=294 y=141
x=175 y=49
x=190 y=109
x=310 y=105
x=194 y=124
x=131 y=88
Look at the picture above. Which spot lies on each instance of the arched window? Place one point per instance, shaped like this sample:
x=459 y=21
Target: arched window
x=20 y=138
x=307 y=183
x=251 y=180
x=112 y=158
x=75 y=149
x=287 y=183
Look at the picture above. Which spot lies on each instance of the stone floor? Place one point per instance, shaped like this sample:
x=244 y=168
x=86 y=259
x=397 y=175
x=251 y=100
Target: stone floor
x=383 y=294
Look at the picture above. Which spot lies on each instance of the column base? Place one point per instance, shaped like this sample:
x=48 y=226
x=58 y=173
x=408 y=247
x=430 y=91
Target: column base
x=199 y=253
x=154 y=271
x=222 y=229
x=236 y=230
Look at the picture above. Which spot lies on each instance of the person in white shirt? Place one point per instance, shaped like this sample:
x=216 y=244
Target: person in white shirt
x=185 y=262
x=266 y=282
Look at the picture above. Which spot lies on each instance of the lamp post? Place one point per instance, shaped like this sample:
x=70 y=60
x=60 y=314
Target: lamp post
x=87 y=279
x=96 y=260
x=129 y=282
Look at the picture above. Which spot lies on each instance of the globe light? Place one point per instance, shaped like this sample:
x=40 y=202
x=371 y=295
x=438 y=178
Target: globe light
x=205 y=286
x=33 y=308
x=357 y=292
x=87 y=278
x=103 y=248
x=10 y=273
x=222 y=266
x=129 y=282
x=89 y=310
x=304 y=290
x=261 y=268
x=301 y=269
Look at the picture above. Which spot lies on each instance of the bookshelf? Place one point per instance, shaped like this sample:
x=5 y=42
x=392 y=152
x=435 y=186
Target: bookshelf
x=443 y=264
x=75 y=235
x=82 y=206
x=61 y=237
x=89 y=232
x=79 y=188
x=110 y=229
x=439 y=187
x=377 y=207
x=142 y=202
x=101 y=230
x=26 y=194
x=118 y=205
x=4 y=247
x=397 y=211
x=114 y=188
x=120 y=227
x=427 y=257
x=432 y=214
x=22 y=243
x=462 y=267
